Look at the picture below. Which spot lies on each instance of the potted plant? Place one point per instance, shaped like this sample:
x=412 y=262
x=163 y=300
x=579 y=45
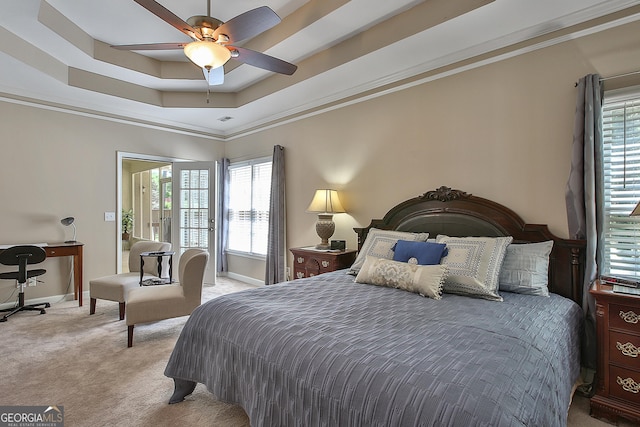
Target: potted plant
x=127 y=223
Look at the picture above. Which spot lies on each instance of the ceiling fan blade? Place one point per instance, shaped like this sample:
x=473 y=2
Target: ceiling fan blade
x=169 y=17
x=150 y=46
x=215 y=76
x=261 y=60
x=248 y=24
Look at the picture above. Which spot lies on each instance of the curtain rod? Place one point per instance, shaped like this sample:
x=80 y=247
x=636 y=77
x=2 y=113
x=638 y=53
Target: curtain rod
x=614 y=77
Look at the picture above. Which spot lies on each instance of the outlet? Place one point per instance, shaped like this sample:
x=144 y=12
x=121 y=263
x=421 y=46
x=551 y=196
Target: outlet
x=31 y=281
x=109 y=216
x=288 y=272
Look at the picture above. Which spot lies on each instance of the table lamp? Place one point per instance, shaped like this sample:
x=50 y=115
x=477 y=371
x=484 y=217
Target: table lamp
x=325 y=203
x=67 y=222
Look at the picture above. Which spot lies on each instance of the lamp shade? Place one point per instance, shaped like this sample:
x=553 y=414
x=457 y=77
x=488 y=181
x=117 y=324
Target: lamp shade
x=207 y=54
x=636 y=210
x=67 y=221
x=325 y=201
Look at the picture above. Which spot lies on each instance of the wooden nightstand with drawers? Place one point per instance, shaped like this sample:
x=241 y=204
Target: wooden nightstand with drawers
x=618 y=341
x=309 y=262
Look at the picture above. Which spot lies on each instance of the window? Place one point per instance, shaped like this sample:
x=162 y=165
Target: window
x=249 y=195
x=621 y=164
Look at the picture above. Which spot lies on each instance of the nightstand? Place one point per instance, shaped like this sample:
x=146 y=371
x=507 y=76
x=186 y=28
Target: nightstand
x=618 y=340
x=309 y=262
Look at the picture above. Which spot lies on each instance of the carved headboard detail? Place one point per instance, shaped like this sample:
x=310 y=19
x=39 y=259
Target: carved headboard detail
x=457 y=213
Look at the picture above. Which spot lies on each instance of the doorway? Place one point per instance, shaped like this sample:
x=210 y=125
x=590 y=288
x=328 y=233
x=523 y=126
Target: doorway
x=146 y=200
x=170 y=200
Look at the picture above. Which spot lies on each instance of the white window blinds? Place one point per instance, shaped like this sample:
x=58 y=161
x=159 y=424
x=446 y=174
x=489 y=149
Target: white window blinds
x=621 y=162
x=249 y=196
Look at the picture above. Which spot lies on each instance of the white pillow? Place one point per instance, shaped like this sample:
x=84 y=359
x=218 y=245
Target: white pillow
x=474 y=265
x=525 y=269
x=379 y=244
x=425 y=280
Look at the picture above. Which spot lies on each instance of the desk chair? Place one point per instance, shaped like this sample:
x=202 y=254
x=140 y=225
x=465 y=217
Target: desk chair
x=22 y=256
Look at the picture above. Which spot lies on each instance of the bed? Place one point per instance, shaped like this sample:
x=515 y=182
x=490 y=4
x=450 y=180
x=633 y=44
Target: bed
x=329 y=351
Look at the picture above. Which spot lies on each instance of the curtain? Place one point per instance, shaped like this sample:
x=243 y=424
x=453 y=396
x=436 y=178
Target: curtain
x=584 y=199
x=276 y=246
x=222 y=216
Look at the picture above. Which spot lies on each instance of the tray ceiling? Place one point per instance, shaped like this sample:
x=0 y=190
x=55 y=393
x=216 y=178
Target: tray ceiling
x=57 y=54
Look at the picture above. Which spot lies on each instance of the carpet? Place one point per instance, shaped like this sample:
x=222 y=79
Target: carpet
x=80 y=362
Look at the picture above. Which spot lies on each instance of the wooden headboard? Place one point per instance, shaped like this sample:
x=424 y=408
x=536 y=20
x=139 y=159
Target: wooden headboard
x=458 y=214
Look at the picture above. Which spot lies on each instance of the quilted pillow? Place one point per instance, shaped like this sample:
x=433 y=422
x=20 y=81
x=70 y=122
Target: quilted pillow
x=379 y=244
x=525 y=269
x=474 y=265
x=425 y=280
x=422 y=253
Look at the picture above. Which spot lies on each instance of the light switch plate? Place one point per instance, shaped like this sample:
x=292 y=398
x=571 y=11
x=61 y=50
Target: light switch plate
x=109 y=216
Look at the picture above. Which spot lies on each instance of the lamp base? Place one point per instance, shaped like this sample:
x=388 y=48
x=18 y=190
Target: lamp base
x=325 y=228
x=70 y=241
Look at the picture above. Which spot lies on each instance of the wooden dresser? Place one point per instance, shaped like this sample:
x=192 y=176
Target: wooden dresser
x=618 y=340
x=309 y=262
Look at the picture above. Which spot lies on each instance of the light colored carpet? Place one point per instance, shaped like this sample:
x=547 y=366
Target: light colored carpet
x=81 y=362
x=67 y=357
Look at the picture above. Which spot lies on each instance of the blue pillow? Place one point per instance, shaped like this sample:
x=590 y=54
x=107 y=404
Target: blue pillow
x=425 y=253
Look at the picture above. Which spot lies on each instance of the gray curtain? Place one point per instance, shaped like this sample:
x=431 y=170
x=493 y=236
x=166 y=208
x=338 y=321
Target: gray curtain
x=222 y=216
x=276 y=248
x=584 y=196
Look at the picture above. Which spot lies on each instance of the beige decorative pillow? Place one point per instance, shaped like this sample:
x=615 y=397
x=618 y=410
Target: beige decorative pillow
x=474 y=265
x=425 y=280
x=380 y=243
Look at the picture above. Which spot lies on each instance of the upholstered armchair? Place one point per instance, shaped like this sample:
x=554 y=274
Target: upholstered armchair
x=153 y=303
x=116 y=286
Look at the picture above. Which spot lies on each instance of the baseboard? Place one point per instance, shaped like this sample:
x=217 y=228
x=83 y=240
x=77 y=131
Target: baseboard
x=52 y=299
x=85 y=295
x=245 y=279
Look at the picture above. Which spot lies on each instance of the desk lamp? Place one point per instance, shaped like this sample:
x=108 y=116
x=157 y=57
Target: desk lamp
x=325 y=203
x=67 y=222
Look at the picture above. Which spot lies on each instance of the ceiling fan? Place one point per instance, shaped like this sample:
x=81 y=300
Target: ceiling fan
x=213 y=40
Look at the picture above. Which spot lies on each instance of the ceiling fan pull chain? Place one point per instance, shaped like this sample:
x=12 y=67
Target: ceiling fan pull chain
x=208 y=84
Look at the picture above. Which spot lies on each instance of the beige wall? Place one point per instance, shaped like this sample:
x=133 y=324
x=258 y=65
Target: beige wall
x=54 y=165
x=502 y=131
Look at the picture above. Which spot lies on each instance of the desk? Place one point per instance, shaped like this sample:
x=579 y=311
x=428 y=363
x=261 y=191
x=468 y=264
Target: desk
x=74 y=250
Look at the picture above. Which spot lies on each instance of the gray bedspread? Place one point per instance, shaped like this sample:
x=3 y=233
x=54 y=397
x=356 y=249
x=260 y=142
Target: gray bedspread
x=325 y=351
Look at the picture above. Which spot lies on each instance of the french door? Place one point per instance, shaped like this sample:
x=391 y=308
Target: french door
x=193 y=210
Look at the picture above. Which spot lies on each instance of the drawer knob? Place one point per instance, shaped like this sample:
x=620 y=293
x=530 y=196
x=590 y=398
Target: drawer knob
x=628 y=384
x=299 y=275
x=300 y=260
x=627 y=349
x=325 y=264
x=629 y=316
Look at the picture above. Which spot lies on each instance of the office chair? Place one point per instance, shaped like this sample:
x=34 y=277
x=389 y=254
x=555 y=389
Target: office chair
x=22 y=256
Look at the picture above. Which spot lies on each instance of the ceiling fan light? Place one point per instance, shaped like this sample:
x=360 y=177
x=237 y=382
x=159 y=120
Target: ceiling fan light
x=207 y=54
